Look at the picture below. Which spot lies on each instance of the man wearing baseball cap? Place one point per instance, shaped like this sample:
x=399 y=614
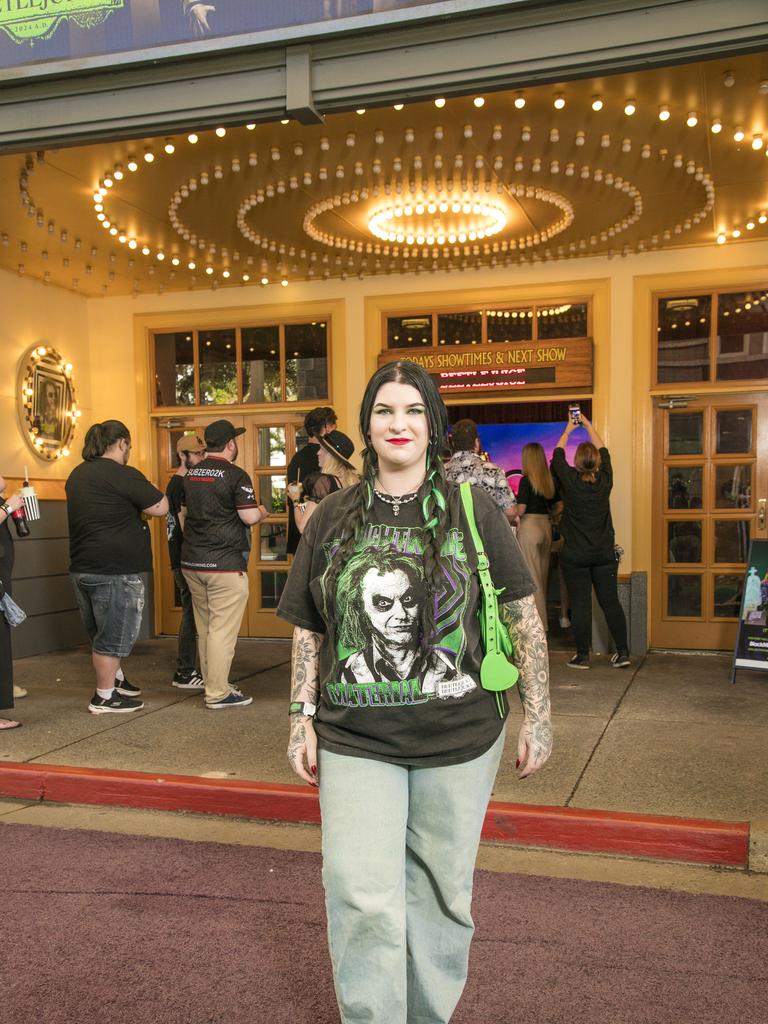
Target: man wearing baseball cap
x=220 y=509
x=190 y=451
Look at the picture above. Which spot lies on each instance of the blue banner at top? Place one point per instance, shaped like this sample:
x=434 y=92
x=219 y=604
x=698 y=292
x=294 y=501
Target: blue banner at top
x=37 y=32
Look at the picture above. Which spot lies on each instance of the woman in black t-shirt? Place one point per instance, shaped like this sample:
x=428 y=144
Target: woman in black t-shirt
x=538 y=497
x=588 y=558
x=383 y=595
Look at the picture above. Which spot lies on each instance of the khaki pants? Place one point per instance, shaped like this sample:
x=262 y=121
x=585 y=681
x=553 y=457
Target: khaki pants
x=534 y=535
x=219 y=600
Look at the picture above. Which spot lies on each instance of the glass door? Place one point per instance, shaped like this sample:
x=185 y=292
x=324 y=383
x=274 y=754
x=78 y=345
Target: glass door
x=709 y=496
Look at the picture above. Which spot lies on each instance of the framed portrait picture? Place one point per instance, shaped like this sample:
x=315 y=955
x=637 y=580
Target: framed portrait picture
x=48 y=410
x=50 y=403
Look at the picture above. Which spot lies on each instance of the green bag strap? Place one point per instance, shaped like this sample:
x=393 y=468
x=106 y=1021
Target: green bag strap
x=497 y=673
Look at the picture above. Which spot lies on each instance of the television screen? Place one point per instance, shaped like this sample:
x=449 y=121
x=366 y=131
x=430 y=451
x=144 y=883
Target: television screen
x=504 y=443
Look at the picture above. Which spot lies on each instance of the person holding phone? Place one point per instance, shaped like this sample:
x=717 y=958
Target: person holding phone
x=588 y=559
x=7 y=692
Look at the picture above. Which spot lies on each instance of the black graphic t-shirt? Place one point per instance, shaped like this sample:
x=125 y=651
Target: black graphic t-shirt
x=374 y=700
x=107 y=535
x=215 y=538
x=174 y=492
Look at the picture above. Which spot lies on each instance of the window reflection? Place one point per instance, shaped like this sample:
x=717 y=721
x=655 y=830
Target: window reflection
x=413 y=331
x=509 y=325
x=459 y=328
x=218 y=367
x=727 y=595
x=683 y=339
x=684 y=595
x=684 y=486
x=684 y=540
x=733 y=431
x=272 y=584
x=261 y=364
x=733 y=486
x=568 y=320
x=270 y=446
x=742 y=336
x=306 y=362
x=174 y=369
x=686 y=433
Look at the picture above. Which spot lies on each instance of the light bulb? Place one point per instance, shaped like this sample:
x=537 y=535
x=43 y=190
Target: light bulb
x=250 y=127
x=629 y=108
x=221 y=132
x=398 y=106
x=132 y=165
x=192 y=138
x=716 y=127
x=440 y=103
x=118 y=173
x=738 y=135
x=149 y=156
x=519 y=101
x=597 y=103
x=284 y=283
x=559 y=101
x=191 y=264
x=757 y=142
x=265 y=280
x=479 y=101
x=692 y=120
x=664 y=113
x=721 y=239
x=169 y=147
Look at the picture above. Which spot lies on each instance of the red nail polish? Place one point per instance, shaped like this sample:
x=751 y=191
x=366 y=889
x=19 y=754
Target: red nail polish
x=313 y=769
x=517 y=763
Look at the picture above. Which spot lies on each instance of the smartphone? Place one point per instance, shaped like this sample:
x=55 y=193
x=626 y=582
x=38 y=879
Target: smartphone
x=574 y=411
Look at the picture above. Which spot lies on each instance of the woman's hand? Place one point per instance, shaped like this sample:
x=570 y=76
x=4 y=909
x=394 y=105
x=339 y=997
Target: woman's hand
x=295 y=490
x=14 y=502
x=302 y=748
x=534 y=745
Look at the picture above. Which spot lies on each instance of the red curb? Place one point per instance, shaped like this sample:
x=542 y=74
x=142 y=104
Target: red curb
x=692 y=840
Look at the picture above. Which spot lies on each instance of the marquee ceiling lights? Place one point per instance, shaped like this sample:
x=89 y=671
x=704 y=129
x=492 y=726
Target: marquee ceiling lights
x=600 y=175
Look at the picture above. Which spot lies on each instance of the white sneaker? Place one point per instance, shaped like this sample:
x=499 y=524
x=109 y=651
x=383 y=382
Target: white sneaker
x=564 y=621
x=19 y=691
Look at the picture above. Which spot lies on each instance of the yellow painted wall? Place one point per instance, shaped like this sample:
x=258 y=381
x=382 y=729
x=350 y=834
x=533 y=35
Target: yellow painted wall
x=106 y=340
x=33 y=314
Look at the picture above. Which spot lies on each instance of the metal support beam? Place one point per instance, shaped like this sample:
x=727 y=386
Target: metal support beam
x=298 y=86
x=482 y=50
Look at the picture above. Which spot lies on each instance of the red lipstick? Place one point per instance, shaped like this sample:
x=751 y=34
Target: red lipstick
x=398 y=440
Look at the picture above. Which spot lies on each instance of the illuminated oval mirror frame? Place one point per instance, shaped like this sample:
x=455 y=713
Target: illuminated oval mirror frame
x=48 y=409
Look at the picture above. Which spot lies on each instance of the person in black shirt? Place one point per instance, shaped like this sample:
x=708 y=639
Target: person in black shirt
x=221 y=508
x=388 y=709
x=7 y=508
x=304 y=462
x=588 y=558
x=191 y=451
x=109 y=545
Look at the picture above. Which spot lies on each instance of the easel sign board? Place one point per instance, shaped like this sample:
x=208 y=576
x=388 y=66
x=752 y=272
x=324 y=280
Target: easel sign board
x=752 y=633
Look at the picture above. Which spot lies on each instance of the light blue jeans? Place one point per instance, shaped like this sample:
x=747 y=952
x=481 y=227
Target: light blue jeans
x=399 y=850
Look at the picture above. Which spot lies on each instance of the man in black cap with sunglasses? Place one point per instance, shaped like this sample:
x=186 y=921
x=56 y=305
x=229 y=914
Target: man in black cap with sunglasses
x=221 y=508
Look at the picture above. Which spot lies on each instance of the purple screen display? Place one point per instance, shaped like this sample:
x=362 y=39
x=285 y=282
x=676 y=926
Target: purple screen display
x=504 y=443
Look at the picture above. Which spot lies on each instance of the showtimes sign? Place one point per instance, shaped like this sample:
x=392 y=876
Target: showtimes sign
x=512 y=365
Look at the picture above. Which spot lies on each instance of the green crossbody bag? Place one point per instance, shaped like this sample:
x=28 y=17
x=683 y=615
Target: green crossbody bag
x=497 y=673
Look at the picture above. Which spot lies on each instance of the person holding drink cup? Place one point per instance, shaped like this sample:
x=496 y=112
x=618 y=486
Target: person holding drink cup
x=9 y=506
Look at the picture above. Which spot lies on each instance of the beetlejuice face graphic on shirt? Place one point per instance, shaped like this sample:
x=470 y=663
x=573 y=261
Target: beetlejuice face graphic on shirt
x=379 y=599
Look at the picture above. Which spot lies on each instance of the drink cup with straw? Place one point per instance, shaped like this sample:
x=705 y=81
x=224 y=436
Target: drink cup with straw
x=29 y=494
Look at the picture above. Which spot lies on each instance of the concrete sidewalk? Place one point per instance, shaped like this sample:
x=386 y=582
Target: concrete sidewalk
x=669 y=736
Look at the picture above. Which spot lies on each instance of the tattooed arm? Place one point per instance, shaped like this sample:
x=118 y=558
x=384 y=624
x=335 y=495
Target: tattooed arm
x=534 y=744
x=305 y=687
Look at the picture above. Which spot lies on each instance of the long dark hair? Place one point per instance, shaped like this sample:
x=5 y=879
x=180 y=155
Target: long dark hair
x=102 y=436
x=432 y=496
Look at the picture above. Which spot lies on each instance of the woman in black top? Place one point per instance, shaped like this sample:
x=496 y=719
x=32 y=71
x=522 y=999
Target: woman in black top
x=387 y=709
x=538 y=497
x=588 y=558
x=336 y=472
x=8 y=506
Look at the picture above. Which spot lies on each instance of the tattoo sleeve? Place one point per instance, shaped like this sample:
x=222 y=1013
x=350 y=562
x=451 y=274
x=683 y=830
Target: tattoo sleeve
x=305 y=665
x=531 y=658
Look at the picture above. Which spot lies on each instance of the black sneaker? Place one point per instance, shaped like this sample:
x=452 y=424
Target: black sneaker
x=113 y=705
x=234 y=699
x=620 y=659
x=188 y=680
x=127 y=689
x=578 y=661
